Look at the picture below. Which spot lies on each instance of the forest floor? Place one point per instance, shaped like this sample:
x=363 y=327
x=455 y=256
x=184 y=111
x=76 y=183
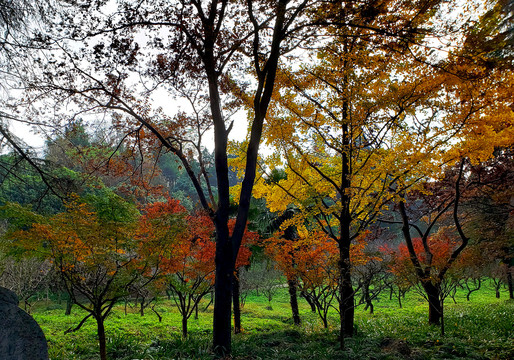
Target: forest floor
x=482 y=328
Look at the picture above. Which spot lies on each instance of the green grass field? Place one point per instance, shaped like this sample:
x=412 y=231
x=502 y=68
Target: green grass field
x=480 y=329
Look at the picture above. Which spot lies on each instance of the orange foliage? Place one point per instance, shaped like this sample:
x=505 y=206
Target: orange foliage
x=250 y=238
x=78 y=238
x=191 y=248
x=441 y=246
x=312 y=257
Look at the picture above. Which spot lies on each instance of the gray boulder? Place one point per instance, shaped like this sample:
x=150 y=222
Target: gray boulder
x=21 y=338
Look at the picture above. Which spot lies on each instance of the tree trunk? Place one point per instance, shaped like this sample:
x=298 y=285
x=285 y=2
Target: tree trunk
x=223 y=300
x=101 y=337
x=69 y=304
x=347 y=308
x=184 y=326
x=472 y=290
x=156 y=313
x=367 y=297
x=237 y=306
x=293 y=300
x=435 y=311
x=307 y=297
x=346 y=293
x=325 y=321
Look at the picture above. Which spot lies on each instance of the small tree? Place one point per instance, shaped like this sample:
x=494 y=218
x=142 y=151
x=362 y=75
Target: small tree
x=371 y=278
x=250 y=238
x=315 y=266
x=187 y=260
x=192 y=276
x=439 y=282
x=96 y=253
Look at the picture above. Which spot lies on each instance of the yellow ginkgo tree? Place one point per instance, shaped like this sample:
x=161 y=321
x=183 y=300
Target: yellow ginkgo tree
x=369 y=119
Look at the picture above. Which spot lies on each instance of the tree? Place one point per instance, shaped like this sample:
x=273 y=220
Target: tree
x=371 y=118
x=339 y=128
x=206 y=49
x=250 y=239
x=189 y=261
x=95 y=252
x=435 y=255
x=289 y=234
x=22 y=184
x=371 y=278
x=312 y=259
x=488 y=210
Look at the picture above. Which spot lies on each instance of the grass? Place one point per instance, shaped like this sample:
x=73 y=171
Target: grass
x=479 y=329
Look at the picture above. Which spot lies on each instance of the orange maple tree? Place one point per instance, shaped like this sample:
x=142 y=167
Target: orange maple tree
x=187 y=263
x=312 y=260
x=96 y=253
x=441 y=247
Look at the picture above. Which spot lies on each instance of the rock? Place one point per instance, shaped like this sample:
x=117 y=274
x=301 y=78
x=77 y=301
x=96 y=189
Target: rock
x=21 y=338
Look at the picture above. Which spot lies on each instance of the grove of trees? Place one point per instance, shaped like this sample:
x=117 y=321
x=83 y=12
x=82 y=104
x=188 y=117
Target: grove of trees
x=374 y=137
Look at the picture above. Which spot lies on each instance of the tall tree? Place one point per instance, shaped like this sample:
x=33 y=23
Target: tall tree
x=346 y=125
x=97 y=49
x=372 y=115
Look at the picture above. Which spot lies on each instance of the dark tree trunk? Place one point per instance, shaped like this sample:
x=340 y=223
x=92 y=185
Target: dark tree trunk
x=325 y=321
x=477 y=284
x=101 y=337
x=237 y=305
x=196 y=310
x=307 y=297
x=184 y=326
x=293 y=300
x=346 y=293
x=227 y=246
x=435 y=310
x=156 y=313
x=223 y=297
x=497 y=286
x=453 y=292
x=347 y=308
x=69 y=304
x=367 y=297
